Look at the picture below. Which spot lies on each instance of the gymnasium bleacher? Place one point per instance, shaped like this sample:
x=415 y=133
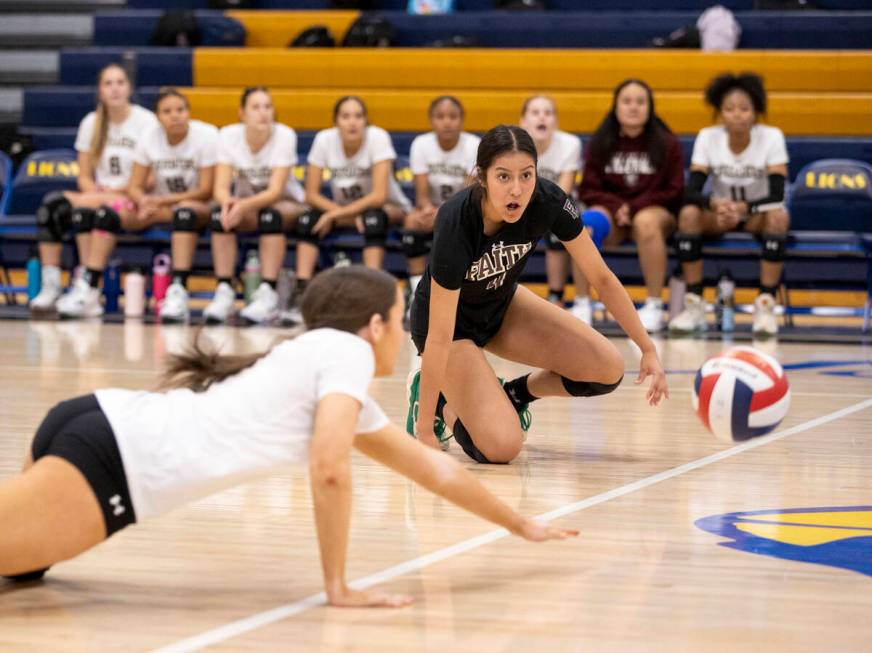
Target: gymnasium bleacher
x=817 y=66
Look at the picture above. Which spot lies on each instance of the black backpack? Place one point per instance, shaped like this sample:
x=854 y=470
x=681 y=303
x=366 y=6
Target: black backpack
x=369 y=32
x=317 y=36
x=230 y=4
x=176 y=27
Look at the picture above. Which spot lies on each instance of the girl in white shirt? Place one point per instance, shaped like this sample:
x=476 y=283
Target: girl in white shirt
x=255 y=191
x=442 y=163
x=559 y=161
x=101 y=462
x=363 y=192
x=105 y=144
x=747 y=162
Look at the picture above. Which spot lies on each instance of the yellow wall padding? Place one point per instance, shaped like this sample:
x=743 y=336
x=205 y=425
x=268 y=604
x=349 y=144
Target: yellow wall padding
x=546 y=70
x=795 y=113
x=275 y=29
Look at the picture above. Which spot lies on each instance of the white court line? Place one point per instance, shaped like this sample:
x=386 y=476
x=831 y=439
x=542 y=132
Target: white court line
x=235 y=628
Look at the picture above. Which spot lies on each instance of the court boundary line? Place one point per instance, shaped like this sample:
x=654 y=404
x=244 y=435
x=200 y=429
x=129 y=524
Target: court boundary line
x=267 y=617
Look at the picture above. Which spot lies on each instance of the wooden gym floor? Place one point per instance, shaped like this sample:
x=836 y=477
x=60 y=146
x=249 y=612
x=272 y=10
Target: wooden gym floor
x=663 y=562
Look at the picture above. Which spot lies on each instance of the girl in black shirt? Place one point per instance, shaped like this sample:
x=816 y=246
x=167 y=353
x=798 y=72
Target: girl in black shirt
x=469 y=301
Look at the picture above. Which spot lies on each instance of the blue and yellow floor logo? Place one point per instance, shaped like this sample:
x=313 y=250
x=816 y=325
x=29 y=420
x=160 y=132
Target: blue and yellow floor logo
x=837 y=537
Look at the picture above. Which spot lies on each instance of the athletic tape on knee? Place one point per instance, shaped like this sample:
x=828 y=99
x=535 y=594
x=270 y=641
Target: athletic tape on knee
x=689 y=248
x=305 y=224
x=215 y=221
x=82 y=220
x=53 y=218
x=107 y=219
x=599 y=223
x=773 y=247
x=553 y=243
x=269 y=221
x=184 y=220
x=375 y=227
x=416 y=243
x=588 y=388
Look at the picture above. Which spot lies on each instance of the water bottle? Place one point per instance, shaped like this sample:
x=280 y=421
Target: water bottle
x=160 y=280
x=677 y=290
x=341 y=259
x=251 y=274
x=112 y=285
x=134 y=293
x=34 y=275
x=725 y=306
x=285 y=287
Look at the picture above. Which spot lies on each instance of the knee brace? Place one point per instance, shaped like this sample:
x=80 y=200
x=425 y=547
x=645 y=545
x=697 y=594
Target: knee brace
x=305 y=223
x=269 y=221
x=184 y=220
x=599 y=224
x=82 y=220
x=375 y=228
x=107 y=219
x=773 y=247
x=53 y=218
x=215 y=225
x=461 y=436
x=589 y=388
x=416 y=243
x=553 y=243
x=689 y=248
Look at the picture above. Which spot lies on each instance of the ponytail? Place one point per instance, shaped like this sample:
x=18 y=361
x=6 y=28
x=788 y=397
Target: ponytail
x=101 y=117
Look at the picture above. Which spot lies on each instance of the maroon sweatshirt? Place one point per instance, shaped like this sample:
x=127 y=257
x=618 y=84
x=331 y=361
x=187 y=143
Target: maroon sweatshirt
x=629 y=178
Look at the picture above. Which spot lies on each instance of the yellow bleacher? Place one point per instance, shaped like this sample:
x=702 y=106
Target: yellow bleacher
x=275 y=29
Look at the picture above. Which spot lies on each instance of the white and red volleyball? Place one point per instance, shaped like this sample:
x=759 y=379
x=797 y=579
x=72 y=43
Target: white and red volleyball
x=740 y=394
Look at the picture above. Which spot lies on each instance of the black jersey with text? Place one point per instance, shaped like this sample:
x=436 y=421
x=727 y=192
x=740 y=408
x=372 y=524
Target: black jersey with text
x=484 y=267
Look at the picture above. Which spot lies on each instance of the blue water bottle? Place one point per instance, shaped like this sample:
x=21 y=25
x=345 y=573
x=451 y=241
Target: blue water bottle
x=34 y=275
x=112 y=285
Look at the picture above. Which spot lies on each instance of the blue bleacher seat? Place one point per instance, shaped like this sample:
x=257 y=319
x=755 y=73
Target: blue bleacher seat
x=5 y=182
x=832 y=195
x=40 y=173
x=153 y=67
x=132 y=28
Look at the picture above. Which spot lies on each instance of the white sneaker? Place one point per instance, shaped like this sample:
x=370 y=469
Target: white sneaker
x=264 y=306
x=765 y=322
x=651 y=314
x=81 y=301
x=692 y=318
x=582 y=309
x=174 y=309
x=222 y=306
x=49 y=292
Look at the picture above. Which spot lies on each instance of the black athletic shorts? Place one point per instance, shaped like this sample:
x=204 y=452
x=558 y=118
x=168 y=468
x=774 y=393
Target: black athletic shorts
x=77 y=431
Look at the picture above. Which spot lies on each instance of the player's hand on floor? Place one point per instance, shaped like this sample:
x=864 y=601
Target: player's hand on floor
x=650 y=366
x=535 y=531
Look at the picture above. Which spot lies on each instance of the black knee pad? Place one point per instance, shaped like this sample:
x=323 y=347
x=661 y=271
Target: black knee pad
x=82 y=220
x=773 y=247
x=269 y=221
x=305 y=223
x=107 y=219
x=28 y=576
x=461 y=435
x=689 y=247
x=53 y=218
x=416 y=243
x=589 y=388
x=215 y=221
x=375 y=227
x=184 y=220
x=553 y=243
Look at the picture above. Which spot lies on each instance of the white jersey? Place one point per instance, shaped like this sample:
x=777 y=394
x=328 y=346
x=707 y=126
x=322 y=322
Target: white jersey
x=177 y=167
x=252 y=170
x=446 y=171
x=351 y=177
x=563 y=155
x=741 y=177
x=179 y=446
x=116 y=161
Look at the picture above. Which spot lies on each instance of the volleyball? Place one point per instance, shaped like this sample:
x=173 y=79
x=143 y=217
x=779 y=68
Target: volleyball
x=741 y=393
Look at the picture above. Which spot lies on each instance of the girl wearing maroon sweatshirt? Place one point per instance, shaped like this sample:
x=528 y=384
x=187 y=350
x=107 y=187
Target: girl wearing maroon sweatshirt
x=634 y=176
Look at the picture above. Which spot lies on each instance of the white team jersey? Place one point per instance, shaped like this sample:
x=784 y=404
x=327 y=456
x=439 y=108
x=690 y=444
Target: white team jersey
x=179 y=446
x=741 y=177
x=446 y=171
x=563 y=155
x=252 y=170
x=177 y=167
x=116 y=161
x=351 y=177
